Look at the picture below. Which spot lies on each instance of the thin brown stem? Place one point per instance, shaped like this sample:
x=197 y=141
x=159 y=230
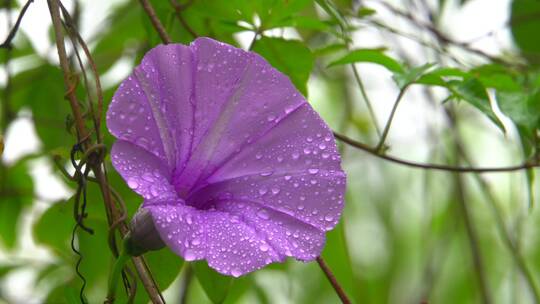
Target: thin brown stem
x=178 y=8
x=373 y=151
x=156 y=23
x=140 y=265
x=330 y=276
x=99 y=92
x=13 y=32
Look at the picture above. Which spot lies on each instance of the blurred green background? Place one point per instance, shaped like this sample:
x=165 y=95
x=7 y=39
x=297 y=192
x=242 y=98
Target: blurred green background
x=470 y=77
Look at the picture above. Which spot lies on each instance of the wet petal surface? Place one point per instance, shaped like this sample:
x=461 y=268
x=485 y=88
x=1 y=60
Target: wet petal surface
x=234 y=165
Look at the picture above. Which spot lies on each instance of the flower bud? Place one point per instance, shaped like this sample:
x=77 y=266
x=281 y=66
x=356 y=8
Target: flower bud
x=143 y=235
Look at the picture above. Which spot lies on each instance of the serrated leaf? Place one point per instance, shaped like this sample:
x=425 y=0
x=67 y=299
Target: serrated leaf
x=372 y=56
x=290 y=57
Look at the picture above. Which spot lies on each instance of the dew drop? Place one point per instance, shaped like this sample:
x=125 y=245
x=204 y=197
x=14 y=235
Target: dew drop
x=295 y=155
x=264 y=247
x=189 y=255
x=328 y=218
x=287 y=177
x=132 y=183
x=313 y=171
x=263 y=214
x=236 y=272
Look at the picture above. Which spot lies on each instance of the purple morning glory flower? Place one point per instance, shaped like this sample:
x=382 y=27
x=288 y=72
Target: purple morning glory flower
x=234 y=165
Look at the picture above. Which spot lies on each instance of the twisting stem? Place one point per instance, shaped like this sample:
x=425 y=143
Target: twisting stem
x=140 y=265
x=339 y=290
x=158 y=26
x=373 y=151
x=11 y=35
x=391 y=118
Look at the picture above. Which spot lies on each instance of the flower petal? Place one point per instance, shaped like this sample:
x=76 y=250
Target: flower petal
x=156 y=103
x=145 y=173
x=234 y=247
x=240 y=97
x=284 y=233
x=294 y=168
x=228 y=244
x=181 y=227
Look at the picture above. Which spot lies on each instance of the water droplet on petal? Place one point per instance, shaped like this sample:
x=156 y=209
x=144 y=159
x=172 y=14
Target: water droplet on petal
x=189 y=255
x=313 y=171
x=236 y=272
x=264 y=247
x=263 y=214
x=133 y=183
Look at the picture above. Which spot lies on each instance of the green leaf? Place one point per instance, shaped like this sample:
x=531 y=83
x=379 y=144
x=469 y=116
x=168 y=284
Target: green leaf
x=54 y=227
x=440 y=76
x=124 y=30
x=365 y=12
x=376 y=56
x=524 y=24
x=290 y=57
x=214 y=284
x=337 y=257
x=16 y=191
x=42 y=90
x=497 y=77
x=165 y=265
x=474 y=92
x=303 y=22
x=524 y=111
x=409 y=76
x=329 y=7
x=329 y=49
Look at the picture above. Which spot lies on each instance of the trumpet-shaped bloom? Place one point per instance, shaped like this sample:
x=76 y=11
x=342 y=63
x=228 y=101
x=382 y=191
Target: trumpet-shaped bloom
x=234 y=165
